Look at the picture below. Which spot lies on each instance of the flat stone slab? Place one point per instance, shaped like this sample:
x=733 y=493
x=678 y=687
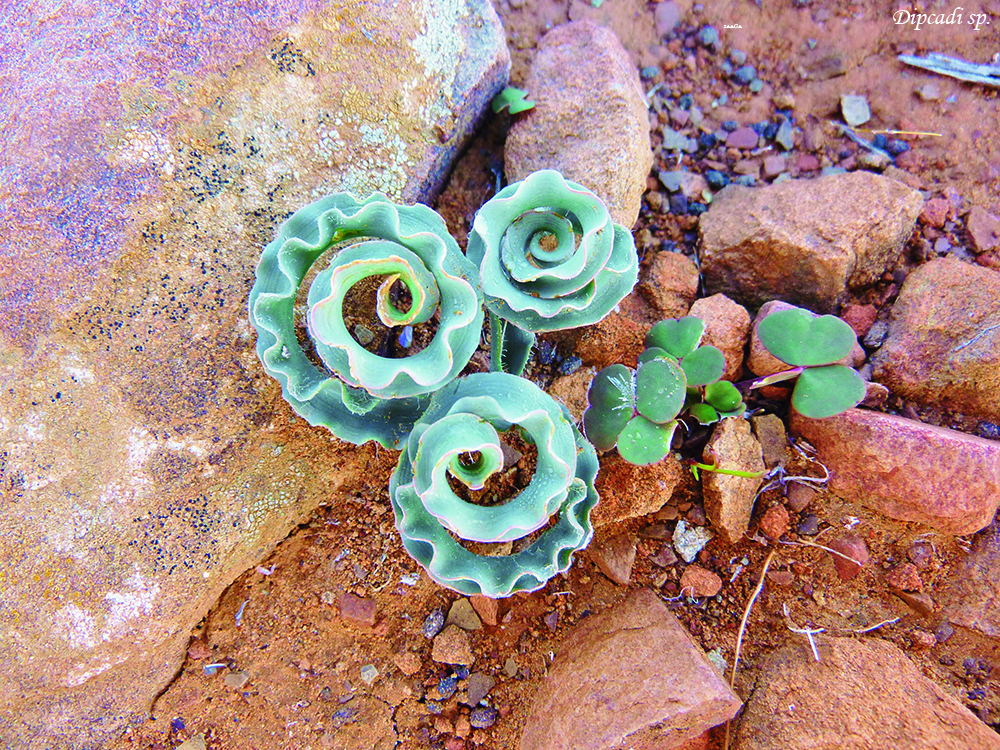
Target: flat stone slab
x=861 y=695
x=908 y=470
x=628 y=676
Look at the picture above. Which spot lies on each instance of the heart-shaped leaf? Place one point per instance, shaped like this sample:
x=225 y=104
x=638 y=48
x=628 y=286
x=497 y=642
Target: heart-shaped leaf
x=660 y=390
x=644 y=443
x=737 y=412
x=803 y=339
x=704 y=365
x=612 y=405
x=704 y=413
x=825 y=391
x=723 y=395
x=679 y=337
x=654 y=352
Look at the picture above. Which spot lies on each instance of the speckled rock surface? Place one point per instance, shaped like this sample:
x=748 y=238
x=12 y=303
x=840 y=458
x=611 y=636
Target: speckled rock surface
x=149 y=153
x=600 y=141
x=882 y=701
x=805 y=241
x=906 y=469
x=726 y=327
x=729 y=499
x=673 y=692
x=943 y=346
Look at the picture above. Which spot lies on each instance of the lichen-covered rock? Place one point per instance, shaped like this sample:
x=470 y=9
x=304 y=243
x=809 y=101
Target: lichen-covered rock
x=906 y=469
x=600 y=140
x=147 y=459
x=629 y=675
x=882 y=700
x=806 y=242
x=943 y=346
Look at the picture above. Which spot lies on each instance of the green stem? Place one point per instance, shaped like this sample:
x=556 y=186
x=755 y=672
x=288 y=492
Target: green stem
x=510 y=346
x=695 y=466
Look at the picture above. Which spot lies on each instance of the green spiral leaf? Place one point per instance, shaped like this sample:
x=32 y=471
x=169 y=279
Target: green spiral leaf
x=364 y=396
x=549 y=255
x=561 y=492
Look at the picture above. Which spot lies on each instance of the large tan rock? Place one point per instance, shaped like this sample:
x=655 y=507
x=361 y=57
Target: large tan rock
x=728 y=498
x=806 y=242
x=943 y=346
x=628 y=677
x=590 y=119
x=906 y=469
x=861 y=695
x=629 y=491
x=147 y=460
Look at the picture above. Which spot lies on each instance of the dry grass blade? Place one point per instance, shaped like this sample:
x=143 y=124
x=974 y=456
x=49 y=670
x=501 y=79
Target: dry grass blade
x=806 y=543
x=743 y=627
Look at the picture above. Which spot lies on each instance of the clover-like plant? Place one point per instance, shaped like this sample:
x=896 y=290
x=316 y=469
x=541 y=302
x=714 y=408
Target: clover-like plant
x=399 y=252
x=639 y=410
x=513 y=99
x=458 y=439
x=550 y=257
x=811 y=344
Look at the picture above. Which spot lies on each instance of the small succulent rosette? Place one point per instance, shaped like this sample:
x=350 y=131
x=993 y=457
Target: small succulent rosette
x=414 y=274
x=549 y=255
x=458 y=439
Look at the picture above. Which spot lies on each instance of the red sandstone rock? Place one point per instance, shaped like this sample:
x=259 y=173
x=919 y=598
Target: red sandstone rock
x=631 y=675
x=357 y=610
x=698 y=582
x=729 y=499
x=726 y=327
x=671 y=284
x=943 y=346
x=775 y=522
x=861 y=695
x=852 y=555
x=908 y=470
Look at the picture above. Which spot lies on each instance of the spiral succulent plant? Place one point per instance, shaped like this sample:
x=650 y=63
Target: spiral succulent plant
x=550 y=257
x=363 y=395
x=460 y=436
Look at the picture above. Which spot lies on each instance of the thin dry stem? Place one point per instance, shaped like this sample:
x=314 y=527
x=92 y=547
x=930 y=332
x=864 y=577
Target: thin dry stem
x=805 y=543
x=743 y=627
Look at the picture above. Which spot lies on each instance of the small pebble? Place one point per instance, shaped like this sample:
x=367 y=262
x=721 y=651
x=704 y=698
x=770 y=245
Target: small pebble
x=849 y=546
x=716 y=179
x=855 y=110
x=708 y=36
x=880 y=141
x=742 y=138
x=447 y=686
x=679 y=204
x=570 y=365
x=649 y=72
x=944 y=632
x=756 y=85
x=369 y=673
x=706 y=141
x=698 y=583
x=363 y=335
x=785 y=137
x=685 y=102
x=775 y=522
x=433 y=623
x=895 y=147
x=771 y=130
x=729 y=125
x=738 y=57
x=509 y=667
x=689 y=541
x=546 y=352
x=876 y=334
x=808 y=526
x=746 y=180
x=745 y=75
x=483 y=717
x=696 y=209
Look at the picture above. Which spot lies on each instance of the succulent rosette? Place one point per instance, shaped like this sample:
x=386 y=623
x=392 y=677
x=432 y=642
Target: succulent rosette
x=361 y=395
x=460 y=435
x=549 y=255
